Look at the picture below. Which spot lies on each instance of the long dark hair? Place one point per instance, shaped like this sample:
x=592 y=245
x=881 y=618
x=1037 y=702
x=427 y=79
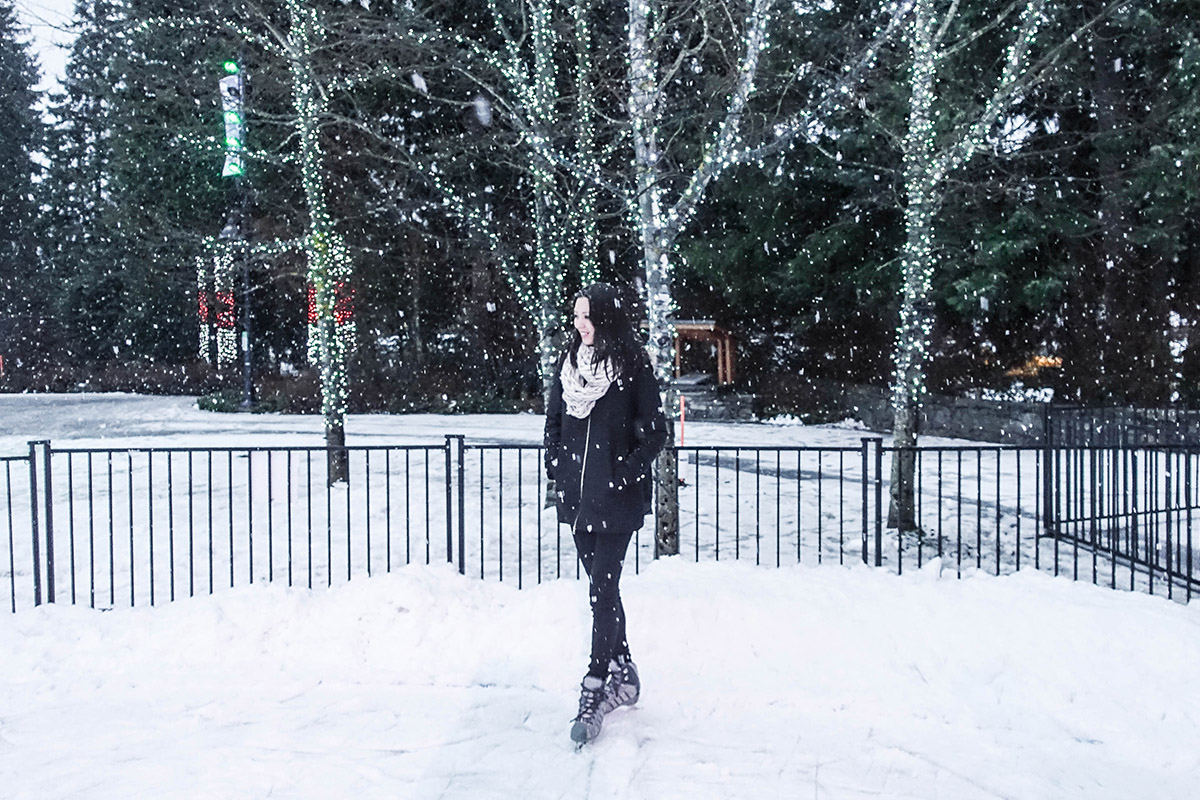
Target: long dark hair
x=614 y=338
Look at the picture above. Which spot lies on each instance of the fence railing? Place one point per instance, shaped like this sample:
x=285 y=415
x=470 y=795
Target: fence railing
x=1120 y=426
x=1134 y=505
x=133 y=526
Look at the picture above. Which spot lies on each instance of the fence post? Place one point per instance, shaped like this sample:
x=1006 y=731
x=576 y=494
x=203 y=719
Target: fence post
x=1172 y=565
x=48 y=496
x=878 y=442
x=866 y=504
x=462 y=506
x=867 y=443
x=455 y=464
x=1048 y=522
x=34 y=527
x=449 y=499
x=1187 y=506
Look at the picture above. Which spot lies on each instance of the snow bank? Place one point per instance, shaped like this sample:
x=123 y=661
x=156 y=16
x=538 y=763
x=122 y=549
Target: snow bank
x=798 y=682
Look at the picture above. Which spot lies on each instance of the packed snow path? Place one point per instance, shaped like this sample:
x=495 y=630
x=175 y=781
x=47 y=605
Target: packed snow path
x=801 y=682
x=129 y=420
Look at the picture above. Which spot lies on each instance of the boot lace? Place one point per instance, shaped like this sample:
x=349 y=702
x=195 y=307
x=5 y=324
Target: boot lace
x=589 y=703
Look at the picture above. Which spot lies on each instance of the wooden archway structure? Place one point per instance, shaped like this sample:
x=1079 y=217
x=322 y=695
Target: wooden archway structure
x=705 y=330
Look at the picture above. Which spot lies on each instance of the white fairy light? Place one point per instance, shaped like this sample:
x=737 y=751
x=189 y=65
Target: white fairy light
x=925 y=170
x=565 y=237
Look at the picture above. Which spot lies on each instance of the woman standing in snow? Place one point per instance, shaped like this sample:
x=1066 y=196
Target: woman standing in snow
x=604 y=427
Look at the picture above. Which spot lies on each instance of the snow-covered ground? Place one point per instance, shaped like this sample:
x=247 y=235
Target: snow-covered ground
x=820 y=682
x=128 y=420
x=804 y=681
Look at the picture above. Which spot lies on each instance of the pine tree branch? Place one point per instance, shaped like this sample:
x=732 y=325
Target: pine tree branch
x=1015 y=68
x=804 y=123
x=718 y=155
x=1016 y=81
x=950 y=14
x=974 y=36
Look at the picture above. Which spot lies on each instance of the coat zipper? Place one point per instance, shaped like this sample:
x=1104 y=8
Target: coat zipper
x=587 y=442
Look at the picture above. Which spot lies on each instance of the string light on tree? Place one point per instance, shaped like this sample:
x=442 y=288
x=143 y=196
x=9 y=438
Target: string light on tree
x=215 y=300
x=329 y=264
x=215 y=296
x=565 y=238
x=928 y=162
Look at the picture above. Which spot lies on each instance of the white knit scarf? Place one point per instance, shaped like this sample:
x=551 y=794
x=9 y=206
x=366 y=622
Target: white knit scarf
x=585 y=384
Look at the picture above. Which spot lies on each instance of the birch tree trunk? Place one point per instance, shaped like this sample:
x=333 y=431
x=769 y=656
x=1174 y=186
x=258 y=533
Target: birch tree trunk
x=912 y=335
x=529 y=92
x=328 y=259
x=549 y=258
x=658 y=227
x=655 y=242
x=926 y=167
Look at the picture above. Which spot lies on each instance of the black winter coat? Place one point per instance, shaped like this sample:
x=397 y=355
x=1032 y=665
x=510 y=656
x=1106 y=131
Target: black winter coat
x=600 y=465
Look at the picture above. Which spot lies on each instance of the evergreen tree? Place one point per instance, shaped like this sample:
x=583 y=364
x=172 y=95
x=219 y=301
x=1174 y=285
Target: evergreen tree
x=132 y=189
x=1130 y=114
x=76 y=196
x=792 y=252
x=429 y=125
x=20 y=308
x=166 y=189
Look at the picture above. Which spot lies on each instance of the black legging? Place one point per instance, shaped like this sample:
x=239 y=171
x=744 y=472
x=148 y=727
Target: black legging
x=602 y=555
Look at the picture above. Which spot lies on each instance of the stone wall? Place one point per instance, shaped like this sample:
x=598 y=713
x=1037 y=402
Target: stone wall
x=975 y=420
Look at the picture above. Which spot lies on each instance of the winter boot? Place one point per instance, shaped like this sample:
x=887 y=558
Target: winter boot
x=591 y=710
x=623 y=687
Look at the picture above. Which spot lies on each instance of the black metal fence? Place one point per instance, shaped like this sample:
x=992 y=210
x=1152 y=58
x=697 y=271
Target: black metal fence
x=1117 y=426
x=1132 y=505
x=115 y=527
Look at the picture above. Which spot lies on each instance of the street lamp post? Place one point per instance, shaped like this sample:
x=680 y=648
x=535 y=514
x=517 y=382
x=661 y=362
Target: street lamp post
x=232 y=106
